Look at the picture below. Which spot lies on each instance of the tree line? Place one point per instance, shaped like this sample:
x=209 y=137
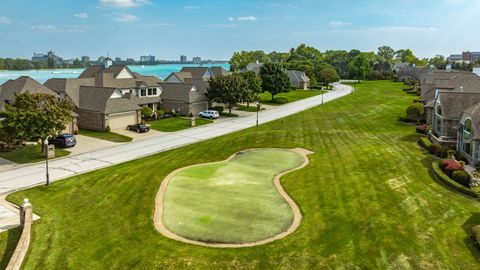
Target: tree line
x=352 y=64
x=25 y=64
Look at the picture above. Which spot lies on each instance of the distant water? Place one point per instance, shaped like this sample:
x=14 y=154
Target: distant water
x=42 y=75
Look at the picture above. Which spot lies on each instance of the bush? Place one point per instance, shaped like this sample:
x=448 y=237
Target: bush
x=376 y=75
x=445 y=179
x=280 y=100
x=435 y=149
x=461 y=177
x=424 y=142
x=160 y=113
x=415 y=111
x=449 y=166
x=108 y=129
x=422 y=129
x=476 y=235
x=217 y=108
x=460 y=157
x=146 y=112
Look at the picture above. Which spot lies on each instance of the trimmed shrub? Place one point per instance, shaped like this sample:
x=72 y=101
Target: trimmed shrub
x=422 y=129
x=108 y=129
x=460 y=157
x=217 y=108
x=449 y=166
x=280 y=100
x=415 y=111
x=424 y=142
x=434 y=148
x=146 y=111
x=461 y=177
x=476 y=235
x=445 y=179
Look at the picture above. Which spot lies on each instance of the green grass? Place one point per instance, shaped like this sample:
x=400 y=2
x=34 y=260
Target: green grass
x=251 y=108
x=8 y=243
x=30 y=154
x=176 y=123
x=295 y=95
x=107 y=136
x=226 y=114
x=367 y=199
x=252 y=209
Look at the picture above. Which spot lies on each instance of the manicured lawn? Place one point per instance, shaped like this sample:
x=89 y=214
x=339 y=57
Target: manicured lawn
x=176 y=123
x=8 y=243
x=367 y=199
x=31 y=154
x=295 y=95
x=251 y=108
x=107 y=136
x=252 y=209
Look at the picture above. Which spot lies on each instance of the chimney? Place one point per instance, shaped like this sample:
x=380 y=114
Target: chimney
x=461 y=89
x=108 y=62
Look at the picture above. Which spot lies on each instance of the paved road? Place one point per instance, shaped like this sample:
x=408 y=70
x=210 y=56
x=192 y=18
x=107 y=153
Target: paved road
x=65 y=167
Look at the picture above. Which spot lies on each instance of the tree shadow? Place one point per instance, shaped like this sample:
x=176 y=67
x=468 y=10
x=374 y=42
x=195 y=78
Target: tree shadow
x=12 y=241
x=410 y=138
x=467 y=227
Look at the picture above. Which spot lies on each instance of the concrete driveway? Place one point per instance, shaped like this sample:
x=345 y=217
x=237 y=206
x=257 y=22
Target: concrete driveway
x=139 y=136
x=87 y=144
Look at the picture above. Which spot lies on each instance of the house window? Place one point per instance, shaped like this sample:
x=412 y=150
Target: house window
x=438 y=110
x=154 y=90
x=150 y=91
x=143 y=92
x=466 y=138
x=131 y=91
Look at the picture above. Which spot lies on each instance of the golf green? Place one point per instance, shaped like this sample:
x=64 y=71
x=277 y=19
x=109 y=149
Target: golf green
x=231 y=202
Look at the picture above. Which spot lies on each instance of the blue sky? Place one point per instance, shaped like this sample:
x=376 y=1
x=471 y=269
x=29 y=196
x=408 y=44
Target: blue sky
x=214 y=29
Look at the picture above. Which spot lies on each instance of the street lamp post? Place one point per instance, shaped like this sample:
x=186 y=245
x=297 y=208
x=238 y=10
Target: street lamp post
x=45 y=143
x=322 y=95
x=258 y=109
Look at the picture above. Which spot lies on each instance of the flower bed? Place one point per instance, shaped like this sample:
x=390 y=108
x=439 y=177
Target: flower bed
x=445 y=179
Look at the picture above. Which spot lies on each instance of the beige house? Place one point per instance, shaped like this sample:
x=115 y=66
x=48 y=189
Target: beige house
x=183 y=98
x=299 y=79
x=109 y=95
x=10 y=89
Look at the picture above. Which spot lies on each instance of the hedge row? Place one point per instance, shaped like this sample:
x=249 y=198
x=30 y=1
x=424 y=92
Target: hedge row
x=424 y=142
x=442 y=177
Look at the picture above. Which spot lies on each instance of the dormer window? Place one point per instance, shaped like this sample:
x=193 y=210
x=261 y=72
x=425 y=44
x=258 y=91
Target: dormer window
x=143 y=92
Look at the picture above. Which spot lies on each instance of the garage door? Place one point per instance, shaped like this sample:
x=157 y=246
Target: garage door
x=196 y=108
x=118 y=121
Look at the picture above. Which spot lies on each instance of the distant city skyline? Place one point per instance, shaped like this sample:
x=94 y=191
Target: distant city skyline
x=214 y=29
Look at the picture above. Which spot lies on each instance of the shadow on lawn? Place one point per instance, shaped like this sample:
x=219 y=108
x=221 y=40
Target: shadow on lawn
x=12 y=240
x=467 y=227
x=410 y=138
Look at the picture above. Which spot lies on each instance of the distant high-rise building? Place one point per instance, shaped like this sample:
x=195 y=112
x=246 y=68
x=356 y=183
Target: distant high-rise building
x=118 y=59
x=147 y=59
x=183 y=58
x=197 y=60
x=130 y=61
x=85 y=59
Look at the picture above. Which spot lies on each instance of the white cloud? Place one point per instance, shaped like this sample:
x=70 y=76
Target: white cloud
x=81 y=15
x=125 y=18
x=59 y=29
x=338 y=24
x=247 y=18
x=243 y=18
x=4 y=20
x=124 y=3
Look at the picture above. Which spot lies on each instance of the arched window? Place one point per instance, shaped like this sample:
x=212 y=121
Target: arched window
x=467 y=125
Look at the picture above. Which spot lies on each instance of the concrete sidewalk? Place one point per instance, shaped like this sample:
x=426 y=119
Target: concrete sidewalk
x=32 y=175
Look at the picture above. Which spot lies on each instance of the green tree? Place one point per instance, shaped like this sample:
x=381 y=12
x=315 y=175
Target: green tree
x=438 y=61
x=253 y=87
x=241 y=59
x=327 y=74
x=359 y=68
x=36 y=116
x=386 y=53
x=226 y=89
x=274 y=79
x=415 y=111
x=146 y=111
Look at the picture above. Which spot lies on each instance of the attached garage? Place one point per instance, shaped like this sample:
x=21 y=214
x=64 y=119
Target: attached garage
x=122 y=120
x=196 y=108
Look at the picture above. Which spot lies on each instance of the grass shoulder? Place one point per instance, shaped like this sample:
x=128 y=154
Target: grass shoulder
x=30 y=154
x=176 y=124
x=107 y=136
x=292 y=96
